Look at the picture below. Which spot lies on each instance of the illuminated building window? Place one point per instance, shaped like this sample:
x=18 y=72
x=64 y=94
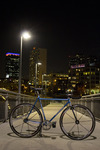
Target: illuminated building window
x=77 y=74
x=73 y=85
x=73 y=81
x=88 y=73
x=93 y=73
x=59 y=89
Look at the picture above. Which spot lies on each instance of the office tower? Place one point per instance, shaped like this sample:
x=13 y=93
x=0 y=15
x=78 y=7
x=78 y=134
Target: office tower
x=12 y=65
x=79 y=61
x=85 y=71
x=55 y=83
x=38 y=55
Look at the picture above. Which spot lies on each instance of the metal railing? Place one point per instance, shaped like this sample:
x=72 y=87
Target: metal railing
x=9 y=99
x=92 y=102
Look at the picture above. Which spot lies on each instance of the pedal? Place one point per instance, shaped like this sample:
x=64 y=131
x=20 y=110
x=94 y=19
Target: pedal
x=53 y=124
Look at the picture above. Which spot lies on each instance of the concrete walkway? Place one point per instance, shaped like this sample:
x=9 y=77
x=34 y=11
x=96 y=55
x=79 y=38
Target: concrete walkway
x=52 y=139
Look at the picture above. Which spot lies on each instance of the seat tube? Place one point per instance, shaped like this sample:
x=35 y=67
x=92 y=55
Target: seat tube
x=69 y=102
x=42 y=109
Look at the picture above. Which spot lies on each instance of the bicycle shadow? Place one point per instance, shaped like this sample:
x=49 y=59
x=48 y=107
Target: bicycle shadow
x=52 y=136
x=11 y=134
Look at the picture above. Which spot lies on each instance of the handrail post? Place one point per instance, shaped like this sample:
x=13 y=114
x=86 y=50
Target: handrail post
x=6 y=108
x=92 y=105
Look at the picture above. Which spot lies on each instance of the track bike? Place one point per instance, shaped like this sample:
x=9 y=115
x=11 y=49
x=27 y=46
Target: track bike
x=76 y=121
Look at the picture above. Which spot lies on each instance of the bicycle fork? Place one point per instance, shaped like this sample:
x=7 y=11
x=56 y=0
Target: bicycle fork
x=76 y=120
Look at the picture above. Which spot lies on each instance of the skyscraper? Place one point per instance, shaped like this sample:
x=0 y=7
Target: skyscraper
x=12 y=65
x=85 y=71
x=38 y=55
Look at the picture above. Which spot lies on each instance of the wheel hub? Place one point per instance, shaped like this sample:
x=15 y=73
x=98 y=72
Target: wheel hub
x=77 y=122
x=25 y=120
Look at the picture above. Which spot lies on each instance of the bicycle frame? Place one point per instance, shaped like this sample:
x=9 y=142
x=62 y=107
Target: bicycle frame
x=51 y=99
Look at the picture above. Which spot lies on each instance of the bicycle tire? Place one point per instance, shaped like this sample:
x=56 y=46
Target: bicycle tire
x=25 y=127
x=77 y=129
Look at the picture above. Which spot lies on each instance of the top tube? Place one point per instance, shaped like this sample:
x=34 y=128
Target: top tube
x=55 y=99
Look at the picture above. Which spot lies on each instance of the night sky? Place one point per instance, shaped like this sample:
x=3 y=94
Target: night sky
x=63 y=28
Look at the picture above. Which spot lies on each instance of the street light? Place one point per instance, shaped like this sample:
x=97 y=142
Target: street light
x=25 y=35
x=36 y=65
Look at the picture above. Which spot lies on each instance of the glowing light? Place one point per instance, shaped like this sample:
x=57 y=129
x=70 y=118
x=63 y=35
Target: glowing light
x=34 y=47
x=26 y=35
x=39 y=63
x=7 y=76
x=14 y=54
x=59 y=89
x=78 y=66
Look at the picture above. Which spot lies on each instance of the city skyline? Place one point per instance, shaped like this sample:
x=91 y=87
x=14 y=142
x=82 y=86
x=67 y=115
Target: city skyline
x=62 y=30
x=83 y=73
x=78 y=64
x=25 y=67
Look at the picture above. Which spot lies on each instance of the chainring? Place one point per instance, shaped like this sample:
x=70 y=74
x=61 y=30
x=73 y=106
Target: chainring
x=46 y=125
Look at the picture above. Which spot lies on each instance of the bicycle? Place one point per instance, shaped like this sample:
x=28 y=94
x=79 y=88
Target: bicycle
x=76 y=121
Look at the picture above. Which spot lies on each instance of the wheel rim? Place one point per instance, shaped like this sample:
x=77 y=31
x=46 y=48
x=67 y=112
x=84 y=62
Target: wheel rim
x=80 y=128
x=23 y=126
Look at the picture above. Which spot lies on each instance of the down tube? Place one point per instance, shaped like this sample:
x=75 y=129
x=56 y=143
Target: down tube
x=59 y=111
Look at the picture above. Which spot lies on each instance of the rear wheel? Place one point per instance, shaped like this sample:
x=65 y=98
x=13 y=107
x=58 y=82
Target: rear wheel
x=77 y=122
x=21 y=124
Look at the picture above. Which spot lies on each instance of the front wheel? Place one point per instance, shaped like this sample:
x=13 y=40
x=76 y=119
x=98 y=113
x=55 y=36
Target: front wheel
x=25 y=120
x=77 y=122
